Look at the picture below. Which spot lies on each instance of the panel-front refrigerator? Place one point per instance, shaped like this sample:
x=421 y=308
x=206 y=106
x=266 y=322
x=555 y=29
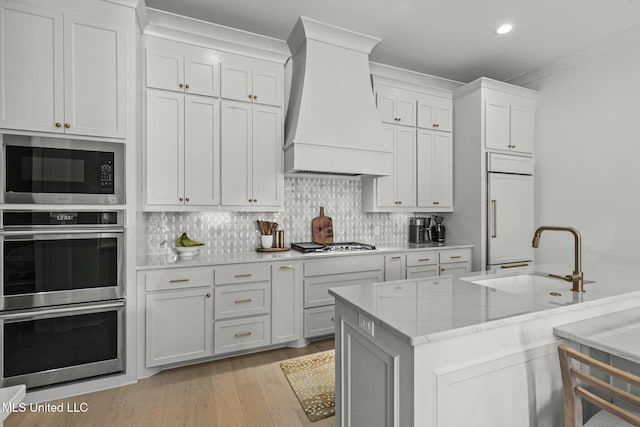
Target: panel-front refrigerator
x=510 y=223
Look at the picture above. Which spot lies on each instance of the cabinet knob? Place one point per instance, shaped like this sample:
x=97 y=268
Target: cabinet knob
x=180 y=85
x=250 y=96
x=255 y=96
x=255 y=200
x=181 y=199
x=187 y=199
x=58 y=124
x=400 y=202
x=208 y=295
x=187 y=85
x=67 y=125
x=436 y=203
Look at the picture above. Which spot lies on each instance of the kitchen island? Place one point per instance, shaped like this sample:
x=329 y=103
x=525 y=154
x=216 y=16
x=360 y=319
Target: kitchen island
x=464 y=350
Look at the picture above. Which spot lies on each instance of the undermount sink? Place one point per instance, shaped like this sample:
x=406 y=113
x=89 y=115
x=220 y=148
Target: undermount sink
x=522 y=283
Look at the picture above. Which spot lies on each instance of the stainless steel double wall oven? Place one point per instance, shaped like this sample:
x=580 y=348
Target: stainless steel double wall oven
x=62 y=306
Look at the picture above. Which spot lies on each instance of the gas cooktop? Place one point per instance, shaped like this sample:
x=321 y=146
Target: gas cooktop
x=332 y=247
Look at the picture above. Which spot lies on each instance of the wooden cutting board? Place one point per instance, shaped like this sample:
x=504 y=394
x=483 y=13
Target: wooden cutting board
x=322 y=228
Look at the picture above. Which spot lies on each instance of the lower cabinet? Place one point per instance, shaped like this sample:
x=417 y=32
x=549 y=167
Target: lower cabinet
x=242 y=334
x=179 y=325
x=286 y=302
x=319 y=321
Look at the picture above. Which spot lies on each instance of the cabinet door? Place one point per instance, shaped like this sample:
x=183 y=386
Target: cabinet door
x=179 y=326
x=386 y=103
x=522 y=128
x=434 y=112
x=267 y=87
x=201 y=150
x=425 y=160
x=94 y=64
x=496 y=122
x=31 y=67
x=393 y=267
x=406 y=110
x=266 y=172
x=202 y=76
x=386 y=185
x=236 y=82
x=406 y=167
x=510 y=218
x=286 y=302
x=165 y=70
x=236 y=153
x=165 y=148
x=442 y=171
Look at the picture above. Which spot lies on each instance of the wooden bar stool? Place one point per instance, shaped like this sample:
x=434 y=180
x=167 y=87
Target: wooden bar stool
x=579 y=385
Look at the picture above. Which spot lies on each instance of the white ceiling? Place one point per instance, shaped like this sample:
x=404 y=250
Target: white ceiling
x=454 y=39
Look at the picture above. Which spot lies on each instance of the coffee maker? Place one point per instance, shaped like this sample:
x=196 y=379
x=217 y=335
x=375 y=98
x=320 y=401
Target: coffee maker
x=419 y=229
x=437 y=229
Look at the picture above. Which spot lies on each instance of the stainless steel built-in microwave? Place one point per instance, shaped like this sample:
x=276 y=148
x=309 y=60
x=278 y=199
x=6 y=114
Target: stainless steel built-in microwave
x=61 y=171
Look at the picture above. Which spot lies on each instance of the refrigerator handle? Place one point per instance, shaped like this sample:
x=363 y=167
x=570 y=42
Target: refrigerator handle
x=494 y=231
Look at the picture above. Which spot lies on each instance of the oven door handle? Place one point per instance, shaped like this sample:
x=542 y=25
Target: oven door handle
x=39 y=313
x=31 y=233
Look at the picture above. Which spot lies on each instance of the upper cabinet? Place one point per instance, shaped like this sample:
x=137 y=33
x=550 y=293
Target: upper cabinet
x=396 y=106
x=174 y=71
x=435 y=176
x=61 y=73
x=255 y=82
x=435 y=112
x=509 y=121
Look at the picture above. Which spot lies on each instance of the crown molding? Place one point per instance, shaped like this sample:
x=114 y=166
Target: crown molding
x=411 y=80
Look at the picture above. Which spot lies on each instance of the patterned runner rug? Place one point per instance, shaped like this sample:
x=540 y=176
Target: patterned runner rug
x=312 y=379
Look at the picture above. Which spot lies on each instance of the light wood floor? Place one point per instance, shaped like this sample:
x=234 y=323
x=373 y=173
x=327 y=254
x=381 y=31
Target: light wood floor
x=240 y=391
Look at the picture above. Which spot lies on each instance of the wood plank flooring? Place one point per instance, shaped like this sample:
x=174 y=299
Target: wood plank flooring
x=247 y=390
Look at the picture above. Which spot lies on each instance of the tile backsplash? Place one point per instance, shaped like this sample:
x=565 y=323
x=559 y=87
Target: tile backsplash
x=231 y=232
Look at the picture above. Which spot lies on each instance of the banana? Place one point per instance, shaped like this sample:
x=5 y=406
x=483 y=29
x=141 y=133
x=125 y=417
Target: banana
x=185 y=241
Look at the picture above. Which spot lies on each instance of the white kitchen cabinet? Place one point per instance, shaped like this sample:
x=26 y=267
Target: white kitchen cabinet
x=509 y=122
x=242 y=334
x=61 y=73
x=286 y=302
x=255 y=82
x=510 y=218
x=179 y=326
x=396 y=106
x=251 y=155
x=435 y=112
x=435 y=170
x=172 y=70
x=182 y=154
x=394 y=267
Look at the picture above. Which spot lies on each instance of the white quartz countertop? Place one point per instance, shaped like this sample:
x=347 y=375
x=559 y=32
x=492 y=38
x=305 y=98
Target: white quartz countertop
x=443 y=307
x=616 y=333
x=13 y=396
x=171 y=261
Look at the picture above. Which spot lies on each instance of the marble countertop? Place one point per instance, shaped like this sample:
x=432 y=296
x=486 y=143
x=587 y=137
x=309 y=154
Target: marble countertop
x=12 y=395
x=443 y=307
x=171 y=261
x=617 y=333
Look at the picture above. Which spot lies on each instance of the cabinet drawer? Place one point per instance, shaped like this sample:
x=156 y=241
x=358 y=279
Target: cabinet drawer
x=510 y=164
x=455 y=268
x=316 y=289
x=242 y=334
x=242 y=273
x=415 y=259
x=242 y=300
x=346 y=264
x=178 y=278
x=319 y=321
x=418 y=272
x=455 y=255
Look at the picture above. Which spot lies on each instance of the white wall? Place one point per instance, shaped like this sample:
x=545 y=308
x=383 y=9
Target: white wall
x=588 y=152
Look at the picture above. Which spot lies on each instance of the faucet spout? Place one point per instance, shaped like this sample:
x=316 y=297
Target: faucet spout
x=577 y=278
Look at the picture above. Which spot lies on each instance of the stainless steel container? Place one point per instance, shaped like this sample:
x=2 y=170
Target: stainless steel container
x=419 y=229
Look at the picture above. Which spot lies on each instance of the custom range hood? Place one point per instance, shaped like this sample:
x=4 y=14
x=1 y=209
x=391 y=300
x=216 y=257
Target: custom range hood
x=332 y=124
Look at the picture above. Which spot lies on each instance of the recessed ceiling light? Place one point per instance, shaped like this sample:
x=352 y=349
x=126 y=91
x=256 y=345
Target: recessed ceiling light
x=504 y=29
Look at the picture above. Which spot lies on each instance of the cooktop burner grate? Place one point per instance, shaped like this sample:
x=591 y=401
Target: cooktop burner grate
x=332 y=247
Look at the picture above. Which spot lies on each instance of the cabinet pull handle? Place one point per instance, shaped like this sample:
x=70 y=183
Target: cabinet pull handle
x=423 y=259
x=250 y=96
x=242 y=334
x=178 y=280
x=208 y=295
x=333 y=319
x=181 y=199
x=67 y=125
x=436 y=203
x=180 y=85
x=58 y=124
x=255 y=96
x=187 y=86
x=286 y=267
x=456 y=257
x=187 y=199
x=494 y=233
x=396 y=257
x=524 y=264
x=240 y=301
x=237 y=276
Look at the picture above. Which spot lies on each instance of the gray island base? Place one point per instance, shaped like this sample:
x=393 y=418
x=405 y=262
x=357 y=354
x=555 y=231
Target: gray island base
x=462 y=351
